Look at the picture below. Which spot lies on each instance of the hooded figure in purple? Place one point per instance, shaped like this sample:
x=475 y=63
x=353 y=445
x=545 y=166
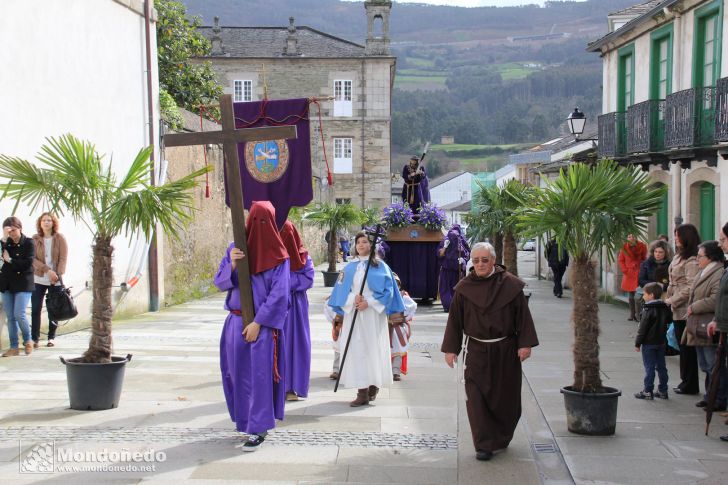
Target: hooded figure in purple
x=251 y=358
x=297 y=328
x=453 y=253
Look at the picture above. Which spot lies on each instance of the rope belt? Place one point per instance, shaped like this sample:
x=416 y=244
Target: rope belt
x=466 y=341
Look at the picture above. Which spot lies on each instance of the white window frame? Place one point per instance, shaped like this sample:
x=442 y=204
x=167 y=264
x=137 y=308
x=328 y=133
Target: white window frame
x=343 y=155
x=343 y=96
x=242 y=90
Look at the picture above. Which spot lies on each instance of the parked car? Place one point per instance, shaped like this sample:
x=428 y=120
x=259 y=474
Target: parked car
x=529 y=245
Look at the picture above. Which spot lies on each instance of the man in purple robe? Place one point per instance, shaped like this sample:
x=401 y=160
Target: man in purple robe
x=416 y=189
x=251 y=358
x=297 y=328
x=452 y=254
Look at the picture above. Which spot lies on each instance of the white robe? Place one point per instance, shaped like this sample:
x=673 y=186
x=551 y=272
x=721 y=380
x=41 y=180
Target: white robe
x=368 y=360
x=410 y=307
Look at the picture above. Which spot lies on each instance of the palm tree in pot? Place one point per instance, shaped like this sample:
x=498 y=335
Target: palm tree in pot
x=73 y=178
x=498 y=207
x=333 y=218
x=590 y=209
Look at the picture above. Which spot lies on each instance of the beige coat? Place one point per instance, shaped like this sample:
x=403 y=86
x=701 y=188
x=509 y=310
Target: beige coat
x=682 y=273
x=703 y=295
x=59 y=254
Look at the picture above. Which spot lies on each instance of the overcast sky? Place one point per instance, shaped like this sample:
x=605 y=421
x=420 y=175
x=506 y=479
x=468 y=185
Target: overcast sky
x=473 y=3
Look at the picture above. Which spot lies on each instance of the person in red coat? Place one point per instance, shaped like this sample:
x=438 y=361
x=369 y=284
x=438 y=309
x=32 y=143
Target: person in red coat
x=630 y=258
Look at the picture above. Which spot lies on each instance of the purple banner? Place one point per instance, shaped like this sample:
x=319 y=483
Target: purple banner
x=276 y=170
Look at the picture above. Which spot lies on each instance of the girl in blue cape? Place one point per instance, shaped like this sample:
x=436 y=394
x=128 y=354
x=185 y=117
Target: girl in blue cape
x=368 y=366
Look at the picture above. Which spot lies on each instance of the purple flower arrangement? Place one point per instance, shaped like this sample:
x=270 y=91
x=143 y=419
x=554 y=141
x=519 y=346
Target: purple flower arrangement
x=398 y=215
x=432 y=217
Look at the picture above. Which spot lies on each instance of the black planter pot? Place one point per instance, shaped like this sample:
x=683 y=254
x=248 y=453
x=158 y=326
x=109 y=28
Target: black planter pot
x=94 y=387
x=593 y=414
x=330 y=278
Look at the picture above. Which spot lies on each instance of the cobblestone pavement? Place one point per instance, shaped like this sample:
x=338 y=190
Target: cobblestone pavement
x=190 y=435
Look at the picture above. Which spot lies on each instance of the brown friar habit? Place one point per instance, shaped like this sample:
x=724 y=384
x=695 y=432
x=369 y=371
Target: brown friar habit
x=490 y=308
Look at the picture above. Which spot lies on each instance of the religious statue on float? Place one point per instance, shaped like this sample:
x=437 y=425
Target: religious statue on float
x=416 y=186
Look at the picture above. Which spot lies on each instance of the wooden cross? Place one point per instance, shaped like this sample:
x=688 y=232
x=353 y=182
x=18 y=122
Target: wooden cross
x=230 y=137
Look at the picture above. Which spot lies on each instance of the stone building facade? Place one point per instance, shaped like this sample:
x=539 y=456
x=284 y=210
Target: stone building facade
x=353 y=82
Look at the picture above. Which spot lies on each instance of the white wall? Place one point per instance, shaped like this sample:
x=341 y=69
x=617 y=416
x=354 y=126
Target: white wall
x=456 y=189
x=505 y=174
x=79 y=67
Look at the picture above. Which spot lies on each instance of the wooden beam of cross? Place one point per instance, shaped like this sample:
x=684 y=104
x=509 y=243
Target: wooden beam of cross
x=230 y=137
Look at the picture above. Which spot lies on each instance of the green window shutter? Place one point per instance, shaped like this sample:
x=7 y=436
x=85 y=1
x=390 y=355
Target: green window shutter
x=661 y=225
x=706 y=68
x=661 y=62
x=707 y=44
x=707 y=211
x=625 y=78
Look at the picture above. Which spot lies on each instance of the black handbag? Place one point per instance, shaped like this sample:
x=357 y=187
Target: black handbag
x=59 y=303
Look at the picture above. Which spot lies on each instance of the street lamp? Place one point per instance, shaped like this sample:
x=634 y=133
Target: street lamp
x=576 y=122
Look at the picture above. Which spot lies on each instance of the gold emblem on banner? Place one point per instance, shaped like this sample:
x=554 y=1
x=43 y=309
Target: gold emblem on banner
x=266 y=161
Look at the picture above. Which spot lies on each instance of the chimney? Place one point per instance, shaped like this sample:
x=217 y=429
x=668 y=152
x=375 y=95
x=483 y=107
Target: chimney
x=292 y=40
x=217 y=47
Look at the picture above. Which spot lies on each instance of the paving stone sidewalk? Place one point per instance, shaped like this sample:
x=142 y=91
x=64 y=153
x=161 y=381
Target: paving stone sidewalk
x=656 y=441
x=415 y=433
x=173 y=403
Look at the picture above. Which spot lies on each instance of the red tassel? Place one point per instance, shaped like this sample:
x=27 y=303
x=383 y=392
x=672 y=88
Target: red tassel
x=329 y=178
x=204 y=153
x=276 y=375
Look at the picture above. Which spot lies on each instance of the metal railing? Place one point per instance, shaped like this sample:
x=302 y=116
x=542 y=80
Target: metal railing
x=721 y=110
x=690 y=117
x=612 y=135
x=646 y=126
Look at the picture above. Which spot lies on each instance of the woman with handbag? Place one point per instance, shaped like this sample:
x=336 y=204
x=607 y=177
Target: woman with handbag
x=683 y=268
x=16 y=283
x=701 y=311
x=49 y=264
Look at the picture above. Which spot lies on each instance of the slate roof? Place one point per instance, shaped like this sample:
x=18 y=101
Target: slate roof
x=561 y=144
x=459 y=206
x=647 y=9
x=270 y=42
x=639 y=9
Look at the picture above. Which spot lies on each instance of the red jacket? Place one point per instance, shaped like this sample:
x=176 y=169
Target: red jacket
x=630 y=258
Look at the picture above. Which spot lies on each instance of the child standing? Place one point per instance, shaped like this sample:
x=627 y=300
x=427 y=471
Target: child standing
x=651 y=339
x=335 y=322
x=400 y=333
